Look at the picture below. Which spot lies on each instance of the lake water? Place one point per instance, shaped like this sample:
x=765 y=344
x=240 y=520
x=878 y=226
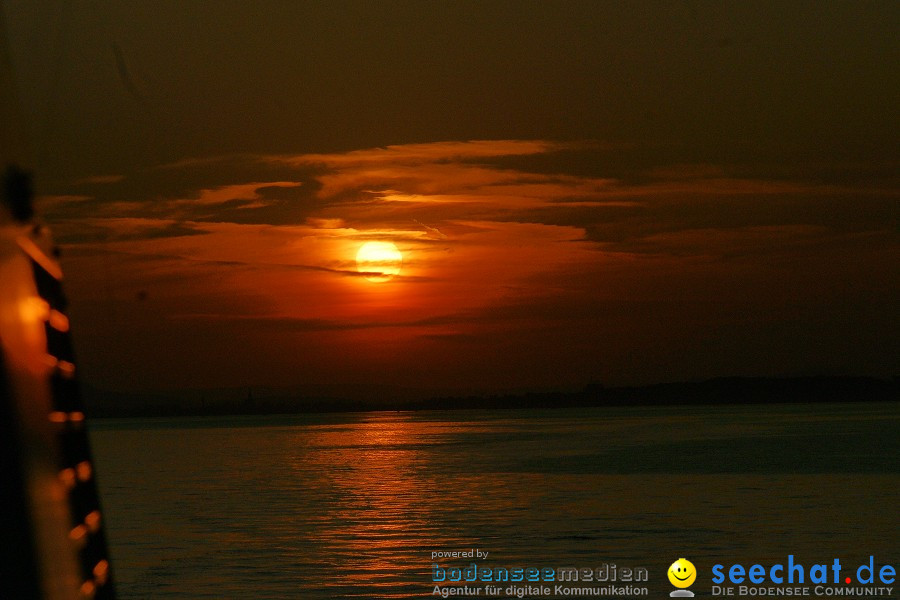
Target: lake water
x=353 y=505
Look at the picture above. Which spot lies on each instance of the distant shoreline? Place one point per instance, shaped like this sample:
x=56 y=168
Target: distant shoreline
x=719 y=391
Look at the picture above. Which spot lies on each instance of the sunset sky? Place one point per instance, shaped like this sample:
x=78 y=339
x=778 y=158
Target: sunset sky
x=626 y=192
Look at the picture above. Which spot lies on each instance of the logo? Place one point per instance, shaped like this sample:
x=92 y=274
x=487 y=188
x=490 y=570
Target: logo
x=682 y=574
x=794 y=578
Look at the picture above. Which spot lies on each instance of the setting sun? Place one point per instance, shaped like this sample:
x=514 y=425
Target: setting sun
x=379 y=261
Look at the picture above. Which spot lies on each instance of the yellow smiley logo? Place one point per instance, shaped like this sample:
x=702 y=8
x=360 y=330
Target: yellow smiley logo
x=682 y=573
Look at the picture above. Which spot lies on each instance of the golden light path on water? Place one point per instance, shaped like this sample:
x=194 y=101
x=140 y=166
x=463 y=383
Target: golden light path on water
x=353 y=505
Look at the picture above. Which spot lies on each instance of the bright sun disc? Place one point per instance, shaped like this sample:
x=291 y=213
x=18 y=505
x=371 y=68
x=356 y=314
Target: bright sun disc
x=378 y=261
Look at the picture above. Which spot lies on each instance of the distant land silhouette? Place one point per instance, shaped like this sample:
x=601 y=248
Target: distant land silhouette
x=720 y=391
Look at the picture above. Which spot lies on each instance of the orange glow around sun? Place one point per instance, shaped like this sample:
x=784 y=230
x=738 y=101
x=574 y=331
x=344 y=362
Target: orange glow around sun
x=379 y=261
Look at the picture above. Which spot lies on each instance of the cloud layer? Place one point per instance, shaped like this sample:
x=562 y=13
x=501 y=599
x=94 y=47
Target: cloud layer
x=527 y=263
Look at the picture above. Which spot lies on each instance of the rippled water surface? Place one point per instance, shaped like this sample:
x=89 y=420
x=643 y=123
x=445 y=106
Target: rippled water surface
x=353 y=505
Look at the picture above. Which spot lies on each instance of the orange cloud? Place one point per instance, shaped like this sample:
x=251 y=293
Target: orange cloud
x=505 y=257
x=240 y=192
x=413 y=154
